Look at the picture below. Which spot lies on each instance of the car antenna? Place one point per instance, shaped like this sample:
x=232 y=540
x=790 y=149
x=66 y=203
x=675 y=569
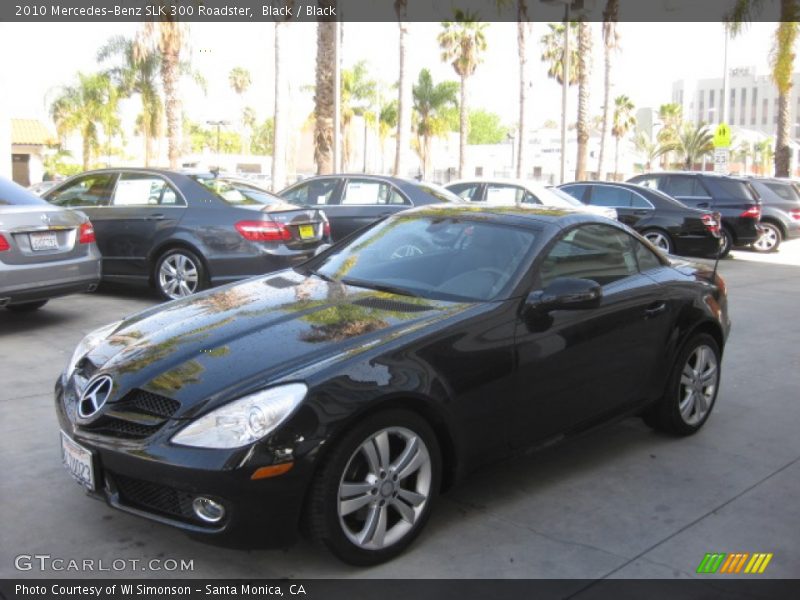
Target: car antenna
x=718 y=218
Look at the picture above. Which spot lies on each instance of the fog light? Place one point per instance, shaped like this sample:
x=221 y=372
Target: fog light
x=208 y=510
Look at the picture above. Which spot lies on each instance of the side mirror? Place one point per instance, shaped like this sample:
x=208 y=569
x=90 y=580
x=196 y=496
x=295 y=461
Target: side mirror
x=321 y=248
x=565 y=293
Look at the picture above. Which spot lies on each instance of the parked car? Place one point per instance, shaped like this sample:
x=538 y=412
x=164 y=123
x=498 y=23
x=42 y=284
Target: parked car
x=780 y=212
x=733 y=198
x=355 y=201
x=41 y=187
x=510 y=192
x=343 y=395
x=45 y=251
x=663 y=221
x=184 y=232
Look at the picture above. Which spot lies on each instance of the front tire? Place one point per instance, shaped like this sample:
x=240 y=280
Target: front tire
x=26 y=306
x=373 y=494
x=179 y=273
x=691 y=389
x=770 y=240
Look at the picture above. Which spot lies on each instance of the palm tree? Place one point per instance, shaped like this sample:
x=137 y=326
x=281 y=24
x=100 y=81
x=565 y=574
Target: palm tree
x=744 y=151
x=430 y=100
x=387 y=121
x=239 y=79
x=166 y=37
x=85 y=108
x=623 y=121
x=523 y=33
x=671 y=116
x=763 y=155
x=462 y=41
x=280 y=130
x=323 y=94
x=358 y=96
x=782 y=62
x=553 y=52
x=649 y=148
x=249 y=121
x=404 y=98
x=137 y=75
x=694 y=142
x=610 y=45
x=582 y=123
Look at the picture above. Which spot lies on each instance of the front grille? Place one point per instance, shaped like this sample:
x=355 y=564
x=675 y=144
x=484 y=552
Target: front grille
x=138 y=415
x=154 y=497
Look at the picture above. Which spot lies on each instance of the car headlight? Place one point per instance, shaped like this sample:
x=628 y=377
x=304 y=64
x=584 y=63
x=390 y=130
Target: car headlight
x=243 y=421
x=87 y=344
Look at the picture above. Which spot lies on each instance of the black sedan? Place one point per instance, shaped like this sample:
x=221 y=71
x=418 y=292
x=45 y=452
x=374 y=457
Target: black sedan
x=183 y=232
x=342 y=396
x=668 y=224
x=354 y=201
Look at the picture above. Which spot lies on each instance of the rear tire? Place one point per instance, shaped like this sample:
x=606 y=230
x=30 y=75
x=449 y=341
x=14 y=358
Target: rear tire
x=691 y=391
x=367 y=506
x=727 y=242
x=179 y=273
x=27 y=306
x=660 y=239
x=770 y=240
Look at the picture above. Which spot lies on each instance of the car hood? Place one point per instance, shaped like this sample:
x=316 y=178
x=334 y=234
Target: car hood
x=217 y=345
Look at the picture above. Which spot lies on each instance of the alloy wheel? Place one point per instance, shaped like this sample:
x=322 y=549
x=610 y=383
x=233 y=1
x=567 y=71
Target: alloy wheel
x=659 y=240
x=769 y=240
x=698 y=385
x=178 y=276
x=385 y=487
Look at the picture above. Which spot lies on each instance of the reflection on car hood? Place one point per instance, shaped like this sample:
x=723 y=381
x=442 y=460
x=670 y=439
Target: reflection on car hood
x=214 y=346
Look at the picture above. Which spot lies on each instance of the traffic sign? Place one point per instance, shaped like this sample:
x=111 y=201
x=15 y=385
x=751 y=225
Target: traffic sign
x=722 y=136
x=721 y=156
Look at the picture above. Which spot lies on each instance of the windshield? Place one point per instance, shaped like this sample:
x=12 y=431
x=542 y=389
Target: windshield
x=237 y=193
x=16 y=195
x=446 y=258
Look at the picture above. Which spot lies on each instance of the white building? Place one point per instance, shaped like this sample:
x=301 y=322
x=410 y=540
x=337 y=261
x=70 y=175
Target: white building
x=752 y=100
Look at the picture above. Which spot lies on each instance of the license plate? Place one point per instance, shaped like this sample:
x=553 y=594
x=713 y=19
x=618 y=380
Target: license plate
x=78 y=461
x=43 y=240
x=306 y=232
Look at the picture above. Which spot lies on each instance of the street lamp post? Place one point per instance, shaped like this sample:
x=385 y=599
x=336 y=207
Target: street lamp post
x=218 y=125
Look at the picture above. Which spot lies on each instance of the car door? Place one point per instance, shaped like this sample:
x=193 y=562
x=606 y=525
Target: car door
x=507 y=194
x=576 y=367
x=689 y=190
x=320 y=192
x=362 y=202
x=620 y=199
x=91 y=194
x=144 y=209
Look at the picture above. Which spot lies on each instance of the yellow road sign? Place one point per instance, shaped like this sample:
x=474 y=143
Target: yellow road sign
x=722 y=136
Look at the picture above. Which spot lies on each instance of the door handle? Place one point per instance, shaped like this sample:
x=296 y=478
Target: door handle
x=642 y=211
x=655 y=309
x=703 y=205
x=158 y=217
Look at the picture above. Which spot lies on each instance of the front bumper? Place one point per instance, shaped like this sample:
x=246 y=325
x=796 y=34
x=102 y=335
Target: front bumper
x=156 y=480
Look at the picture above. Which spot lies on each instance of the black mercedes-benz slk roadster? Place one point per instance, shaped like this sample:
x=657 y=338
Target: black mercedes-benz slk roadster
x=342 y=396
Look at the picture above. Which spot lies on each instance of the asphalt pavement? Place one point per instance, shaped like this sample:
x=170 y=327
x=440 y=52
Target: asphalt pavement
x=625 y=502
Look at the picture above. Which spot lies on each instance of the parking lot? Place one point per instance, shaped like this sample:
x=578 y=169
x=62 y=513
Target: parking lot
x=623 y=502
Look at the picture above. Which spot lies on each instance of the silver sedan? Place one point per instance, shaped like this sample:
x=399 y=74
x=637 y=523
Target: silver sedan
x=45 y=251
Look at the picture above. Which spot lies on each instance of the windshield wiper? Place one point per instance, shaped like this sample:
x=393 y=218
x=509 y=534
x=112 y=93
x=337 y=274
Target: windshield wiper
x=321 y=275
x=381 y=287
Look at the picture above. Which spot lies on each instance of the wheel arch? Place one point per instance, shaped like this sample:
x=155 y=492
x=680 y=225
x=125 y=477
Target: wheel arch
x=173 y=244
x=776 y=222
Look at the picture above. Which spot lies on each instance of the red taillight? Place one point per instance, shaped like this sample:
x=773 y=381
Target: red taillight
x=326 y=229
x=795 y=213
x=86 y=234
x=4 y=245
x=263 y=231
x=754 y=212
x=711 y=223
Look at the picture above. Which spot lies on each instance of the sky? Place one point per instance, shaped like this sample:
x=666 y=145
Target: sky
x=46 y=56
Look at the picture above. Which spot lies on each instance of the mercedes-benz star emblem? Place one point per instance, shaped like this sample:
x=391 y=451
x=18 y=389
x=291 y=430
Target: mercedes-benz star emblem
x=45 y=219
x=94 y=396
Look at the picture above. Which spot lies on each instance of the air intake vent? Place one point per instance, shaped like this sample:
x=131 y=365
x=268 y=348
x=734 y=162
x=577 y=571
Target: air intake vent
x=280 y=283
x=392 y=305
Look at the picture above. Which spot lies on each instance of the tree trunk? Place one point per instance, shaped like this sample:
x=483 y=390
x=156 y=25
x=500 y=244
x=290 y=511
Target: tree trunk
x=584 y=67
x=523 y=32
x=616 y=158
x=404 y=102
x=323 y=98
x=426 y=156
x=463 y=129
x=148 y=148
x=278 y=121
x=601 y=161
x=87 y=151
x=783 y=153
x=172 y=105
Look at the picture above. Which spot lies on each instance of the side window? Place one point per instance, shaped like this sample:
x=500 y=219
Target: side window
x=681 y=185
x=576 y=191
x=89 y=191
x=638 y=201
x=603 y=195
x=648 y=182
x=317 y=191
x=598 y=252
x=143 y=189
x=370 y=191
x=467 y=191
x=501 y=194
x=646 y=258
